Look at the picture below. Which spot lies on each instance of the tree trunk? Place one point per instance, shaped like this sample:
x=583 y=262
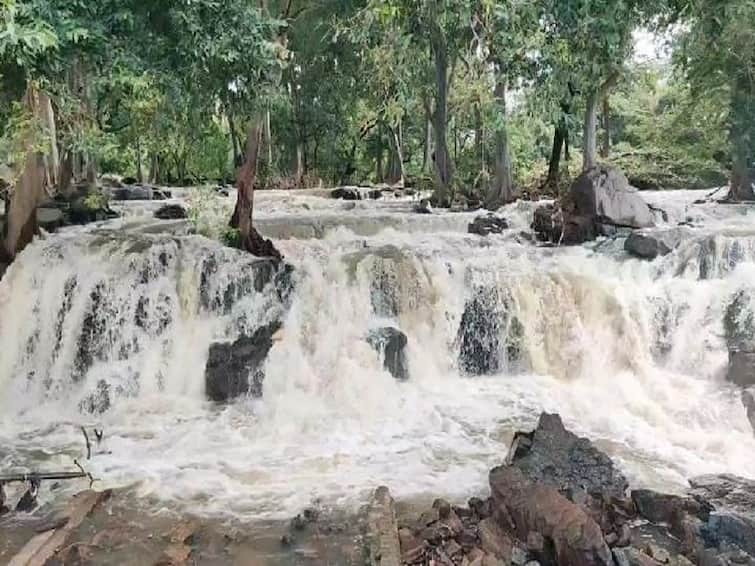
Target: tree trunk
x=269 y=142
x=440 y=125
x=35 y=177
x=249 y=238
x=399 y=155
x=554 y=164
x=479 y=137
x=299 y=164
x=589 y=142
x=139 y=168
x=428 y=144
x=605 y=149
x=234 y=142
x=742 y=139
x=502 y=190
x=65 y=180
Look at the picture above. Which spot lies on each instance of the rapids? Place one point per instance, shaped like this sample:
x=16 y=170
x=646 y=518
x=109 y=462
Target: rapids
x=631 y=353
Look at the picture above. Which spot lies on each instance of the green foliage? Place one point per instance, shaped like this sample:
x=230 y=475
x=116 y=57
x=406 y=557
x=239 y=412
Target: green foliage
x=95 y=200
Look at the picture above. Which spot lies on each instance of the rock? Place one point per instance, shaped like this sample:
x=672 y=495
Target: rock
x=556 y=457
x=494 y=540
x=739 y=322
x=391 y=343
x=741 y=368
x=171 y=212
x=97 y=402
x=50 y=219
x=237 y=368
x=488 y=224
x=132 y=192
x=412 y=548
x=632 y=557
x=604 y=193
x=488 y=334
x=550 y=224
x=383 y=545
x=3 y=269
x=571 y=537
x=664 y=508
x=346 y=193
x=748 y=400
x=423 y=207
x=732 y=519
x=657 y=553
x=545 y=223
x=647 y=245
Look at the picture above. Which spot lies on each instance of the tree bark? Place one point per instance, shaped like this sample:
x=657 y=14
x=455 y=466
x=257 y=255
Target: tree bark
x=399 y=155
x=34 y=178
x=502 y=190
x=440 y=119
x=554 y=165
x=589 y=134
x=742 y=139
x=249 y=238
x=428 y=144
x=605 y=149
x=269 y=142
x=65 y=181
x=139 y=168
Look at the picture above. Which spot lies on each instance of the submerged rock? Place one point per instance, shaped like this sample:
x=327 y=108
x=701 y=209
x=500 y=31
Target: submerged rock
x=97 y=402
x=604 y=193
x=50 y=218
x=423 y=207
x=170 y=212
x=748 y=400
x=488 y=224
x=390 y=343
x=557 y=457
x=346 y=193
x=237 y=368
x=732 y=519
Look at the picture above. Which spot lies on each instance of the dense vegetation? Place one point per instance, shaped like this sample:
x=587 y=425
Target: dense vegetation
x=471 y=97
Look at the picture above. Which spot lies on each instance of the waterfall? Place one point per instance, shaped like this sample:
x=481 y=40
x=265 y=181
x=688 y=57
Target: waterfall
x=112 y=327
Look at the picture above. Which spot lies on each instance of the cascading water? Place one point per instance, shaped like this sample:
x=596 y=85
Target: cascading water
x=112 y=327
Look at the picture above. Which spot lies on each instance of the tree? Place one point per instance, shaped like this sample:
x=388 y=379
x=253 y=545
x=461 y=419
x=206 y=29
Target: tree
x=718 y=53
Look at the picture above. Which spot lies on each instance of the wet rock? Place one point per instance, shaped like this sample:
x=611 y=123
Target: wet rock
x=570 y=536
x=3 y=269
x=748 y=400
x=97 y=402
x=646 y=246
x=739 y=322
x=633 y=557
x=551 y=224
x=390 y=343
x=423 y=207
x=170 y=212
x=557 y=457
x=741 y=368
x=665 y=508
x=732 y=519
x=413 y=549
x=50 y=219
x=488 y=224
x=489 y=334
x=604 y=193
x=346 y=193
x=383 y=544
x=237 y=368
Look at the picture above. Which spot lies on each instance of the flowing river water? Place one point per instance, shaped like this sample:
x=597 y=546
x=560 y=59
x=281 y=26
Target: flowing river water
x=631 y=353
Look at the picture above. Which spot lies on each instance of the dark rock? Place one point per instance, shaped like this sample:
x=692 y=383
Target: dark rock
x=161 y=194
x=488 y=224
x=480 y=507
x=171 y=212
x=128 y=181
x=732 y=519
x=346 y=193
x=570 y=536
x=375 y=194
x=633 y=557
x=645 y=246
x=132 y=192
x=237 y=368
x=391 y=343
x=550 y=224
x=664 y=508
x=739 y=323
x=488 y=333
x=413 y=549
x=97 y=402
x=3 y=269
x=494 y=540
x=748 y=400
x=741 y=368
x=559 y=458
x=604 y=193
x=443 y=508
x=50 y=219
x=423 y=207
x=28 y=501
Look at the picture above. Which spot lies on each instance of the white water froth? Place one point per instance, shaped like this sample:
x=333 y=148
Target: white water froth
x=631 y=353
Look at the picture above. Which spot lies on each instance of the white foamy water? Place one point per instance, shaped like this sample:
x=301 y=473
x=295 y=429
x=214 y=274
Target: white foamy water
x=631 y=353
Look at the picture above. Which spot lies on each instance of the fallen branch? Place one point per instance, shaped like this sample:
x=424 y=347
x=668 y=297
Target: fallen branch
x=29 y=476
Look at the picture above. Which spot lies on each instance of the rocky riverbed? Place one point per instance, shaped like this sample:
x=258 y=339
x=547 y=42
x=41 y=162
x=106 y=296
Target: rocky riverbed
x=554 y=500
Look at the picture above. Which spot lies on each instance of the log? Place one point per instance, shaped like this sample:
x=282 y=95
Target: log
x=26 y=477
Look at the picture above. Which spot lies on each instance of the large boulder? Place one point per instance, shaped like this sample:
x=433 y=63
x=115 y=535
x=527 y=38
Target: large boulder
x=552 y=224
x=569 y=536
x=732 y=519
x=554 y=456
x=50 y=218
x=488 y=224
x=237 y=368
x=346 y=193
x=390 y=344
x=604 y=193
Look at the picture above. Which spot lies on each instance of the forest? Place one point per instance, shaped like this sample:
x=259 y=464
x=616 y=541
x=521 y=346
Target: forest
x=473 y=99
